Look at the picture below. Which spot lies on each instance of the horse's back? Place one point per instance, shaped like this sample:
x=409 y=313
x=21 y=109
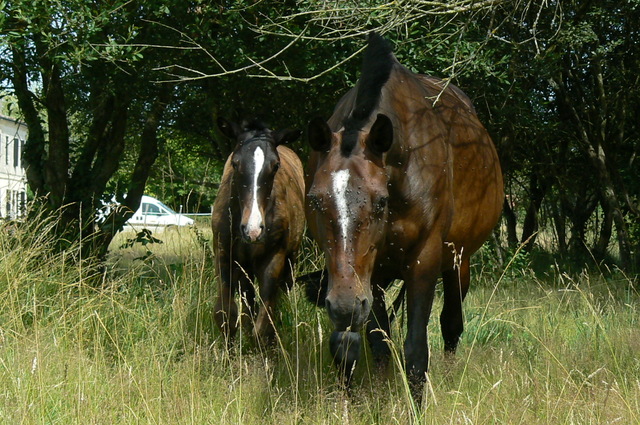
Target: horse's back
x=292 y=167
x=477 y=184
x=460 y=144
x=291 y=190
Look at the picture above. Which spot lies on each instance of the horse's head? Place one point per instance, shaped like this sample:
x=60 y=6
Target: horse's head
x=255 y=162
x=348 y=212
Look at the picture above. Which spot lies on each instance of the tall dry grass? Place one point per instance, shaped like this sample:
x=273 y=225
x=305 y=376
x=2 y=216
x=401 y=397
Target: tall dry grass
x=135 y=343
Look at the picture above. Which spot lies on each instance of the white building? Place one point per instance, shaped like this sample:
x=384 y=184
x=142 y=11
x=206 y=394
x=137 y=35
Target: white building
x=13 y=180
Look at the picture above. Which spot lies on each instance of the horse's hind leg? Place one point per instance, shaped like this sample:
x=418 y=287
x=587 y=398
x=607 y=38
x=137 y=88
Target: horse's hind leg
x=456 y=285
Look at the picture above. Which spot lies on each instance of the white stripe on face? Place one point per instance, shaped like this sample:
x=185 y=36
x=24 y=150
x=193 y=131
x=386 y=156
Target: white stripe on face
x=340 y=182
x=255 y=218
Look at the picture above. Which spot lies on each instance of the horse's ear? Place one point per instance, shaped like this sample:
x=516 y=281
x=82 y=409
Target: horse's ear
x=286 y=136
x=319 y=135
x=228 y=128
x=381 y=135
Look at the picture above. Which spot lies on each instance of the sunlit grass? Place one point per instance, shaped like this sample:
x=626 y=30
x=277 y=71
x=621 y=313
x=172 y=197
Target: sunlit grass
x=141 y=347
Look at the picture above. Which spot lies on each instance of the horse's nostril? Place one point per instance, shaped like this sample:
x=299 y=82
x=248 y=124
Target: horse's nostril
x=327 y=304
x=365 y=305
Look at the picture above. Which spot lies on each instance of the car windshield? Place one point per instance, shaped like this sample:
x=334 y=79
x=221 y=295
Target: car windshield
x=166 y=208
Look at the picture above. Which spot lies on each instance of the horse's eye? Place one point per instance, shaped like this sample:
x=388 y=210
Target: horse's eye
x=276 y=167
x=314 y=202
x=381 y=204
x=234 y=164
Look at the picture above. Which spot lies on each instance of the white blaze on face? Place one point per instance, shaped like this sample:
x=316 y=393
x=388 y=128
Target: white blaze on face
x=340 y=182
x=255 y=218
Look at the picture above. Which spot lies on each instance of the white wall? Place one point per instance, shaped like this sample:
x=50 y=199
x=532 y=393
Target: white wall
x=13 y=181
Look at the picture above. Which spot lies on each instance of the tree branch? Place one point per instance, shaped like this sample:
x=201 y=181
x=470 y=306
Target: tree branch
x=57 y=162
x=148 y=149
x=34 y=149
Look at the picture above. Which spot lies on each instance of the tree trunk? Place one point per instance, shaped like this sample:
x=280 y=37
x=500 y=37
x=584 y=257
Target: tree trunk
x=610 y=203
x=57 y=159
x=511 y=224
x=579 y=212
x=600 y=248
x=560 y=223
x=530 y=226
x=34 y=148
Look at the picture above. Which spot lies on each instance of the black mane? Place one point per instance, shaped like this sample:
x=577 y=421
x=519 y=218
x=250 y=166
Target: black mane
x=255 y=130
x=254 y=125
x=376 y=68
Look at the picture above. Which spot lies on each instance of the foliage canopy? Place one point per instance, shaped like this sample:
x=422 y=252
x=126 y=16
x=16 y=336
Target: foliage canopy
x=108 y=87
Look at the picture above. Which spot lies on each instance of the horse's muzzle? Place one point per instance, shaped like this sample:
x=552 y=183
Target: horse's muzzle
x=252 y=234
x=347 y=312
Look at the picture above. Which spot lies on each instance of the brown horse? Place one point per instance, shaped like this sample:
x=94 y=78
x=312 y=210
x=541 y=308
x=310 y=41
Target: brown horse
x=257 y=221
x=401 y=179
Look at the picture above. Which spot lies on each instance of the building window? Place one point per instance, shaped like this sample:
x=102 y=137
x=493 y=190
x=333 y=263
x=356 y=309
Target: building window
x=16 y=152
x=23 y=204
x=8 y=200
x=6 y=150
x=14 y=206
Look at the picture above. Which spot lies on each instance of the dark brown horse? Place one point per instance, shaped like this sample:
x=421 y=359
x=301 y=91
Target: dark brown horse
x=401 y=177
x=258 y=221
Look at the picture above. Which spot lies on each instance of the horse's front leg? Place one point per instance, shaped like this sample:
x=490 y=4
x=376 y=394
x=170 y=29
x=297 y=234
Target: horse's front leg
x=247 y=298
x=225 y=311
x=379 y=329
x=420 y=283
x=274 y=272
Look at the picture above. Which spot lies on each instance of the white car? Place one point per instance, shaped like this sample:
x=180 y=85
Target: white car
x=152 y=212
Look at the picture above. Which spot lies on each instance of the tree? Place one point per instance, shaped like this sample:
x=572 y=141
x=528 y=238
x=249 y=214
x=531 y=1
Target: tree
x=594 y=81
x=104 y=88
x=107 y=87
x=84 y=95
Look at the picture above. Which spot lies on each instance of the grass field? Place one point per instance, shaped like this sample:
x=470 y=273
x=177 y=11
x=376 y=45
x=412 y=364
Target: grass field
x=537 y=349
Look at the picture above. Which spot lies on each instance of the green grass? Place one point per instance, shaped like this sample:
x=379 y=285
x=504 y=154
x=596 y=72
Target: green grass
x=142 y=349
